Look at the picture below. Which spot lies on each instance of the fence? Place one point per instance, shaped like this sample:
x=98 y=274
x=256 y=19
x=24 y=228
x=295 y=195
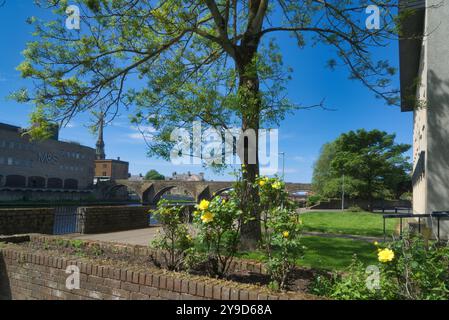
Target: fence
x=67 y=220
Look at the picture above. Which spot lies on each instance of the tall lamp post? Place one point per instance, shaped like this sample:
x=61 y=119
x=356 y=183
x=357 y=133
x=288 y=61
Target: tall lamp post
x=343 y=194
x=283 y=164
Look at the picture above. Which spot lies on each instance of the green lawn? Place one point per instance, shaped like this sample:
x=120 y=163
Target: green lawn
x=357 y=223
x=329 y=253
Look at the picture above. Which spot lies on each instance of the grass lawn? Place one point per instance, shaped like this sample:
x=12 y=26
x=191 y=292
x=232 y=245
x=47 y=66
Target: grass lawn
x=357 y=223
x=329 y=253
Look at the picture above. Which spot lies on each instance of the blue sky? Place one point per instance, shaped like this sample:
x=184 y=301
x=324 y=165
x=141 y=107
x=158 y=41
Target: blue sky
x=301 y=134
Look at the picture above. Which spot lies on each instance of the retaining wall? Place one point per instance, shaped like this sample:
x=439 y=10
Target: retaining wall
x=30 y=275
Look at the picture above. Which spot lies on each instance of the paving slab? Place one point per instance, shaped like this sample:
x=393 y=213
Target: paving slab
x=139 y=236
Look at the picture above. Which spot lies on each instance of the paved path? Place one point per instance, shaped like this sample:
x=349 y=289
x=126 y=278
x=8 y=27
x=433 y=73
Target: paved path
x=138 y=236
x=145 y=236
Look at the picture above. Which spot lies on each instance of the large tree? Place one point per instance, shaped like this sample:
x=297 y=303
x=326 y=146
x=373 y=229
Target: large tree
x=154 y=175
x=177 y=61
x=373 y=164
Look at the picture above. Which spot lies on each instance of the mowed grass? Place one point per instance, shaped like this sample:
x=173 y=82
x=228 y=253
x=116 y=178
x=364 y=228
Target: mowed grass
x=328 y=253
x=356 y=223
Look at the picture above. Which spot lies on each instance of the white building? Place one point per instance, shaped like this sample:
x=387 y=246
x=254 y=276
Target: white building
x=424 y=68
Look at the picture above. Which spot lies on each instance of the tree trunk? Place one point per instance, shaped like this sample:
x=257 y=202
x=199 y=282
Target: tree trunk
x=250 y=105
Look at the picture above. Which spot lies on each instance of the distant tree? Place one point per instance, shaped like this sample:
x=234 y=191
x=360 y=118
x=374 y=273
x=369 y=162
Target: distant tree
x=374 y=166
x=154 y=175
x=321 y=172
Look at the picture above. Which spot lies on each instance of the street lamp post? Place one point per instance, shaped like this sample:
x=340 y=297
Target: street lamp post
x=343 y=194
x=283 y=164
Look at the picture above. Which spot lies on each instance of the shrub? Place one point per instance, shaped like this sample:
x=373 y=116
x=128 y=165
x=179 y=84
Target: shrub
x=408 y=270
x=354 y=209
x=284 y=237
x=174 y=240
x=281 y=230
x=313 y=200
x=219 y=224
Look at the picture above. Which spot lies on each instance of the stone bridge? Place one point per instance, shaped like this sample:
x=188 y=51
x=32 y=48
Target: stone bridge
x=151 y=191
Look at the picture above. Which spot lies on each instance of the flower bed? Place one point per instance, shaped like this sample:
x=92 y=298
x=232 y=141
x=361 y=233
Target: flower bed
x=36 y=270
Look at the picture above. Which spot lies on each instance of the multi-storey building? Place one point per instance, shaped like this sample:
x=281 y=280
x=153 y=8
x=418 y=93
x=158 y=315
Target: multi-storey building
x=425 y=92
x=49 y=164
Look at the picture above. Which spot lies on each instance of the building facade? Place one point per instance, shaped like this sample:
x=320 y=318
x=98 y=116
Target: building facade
x=425 y=92
x=46 y=165
x=108 y=169
x=186 y=176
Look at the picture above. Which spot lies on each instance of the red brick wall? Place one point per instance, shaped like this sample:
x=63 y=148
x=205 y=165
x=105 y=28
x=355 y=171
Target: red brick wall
x=25 y=274
x=113 y=218
x=26 y=220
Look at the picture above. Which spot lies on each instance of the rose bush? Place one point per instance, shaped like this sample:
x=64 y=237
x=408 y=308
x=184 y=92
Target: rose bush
x=174 y=240
x=218 y=224
x=409 y=269
x=281 y=230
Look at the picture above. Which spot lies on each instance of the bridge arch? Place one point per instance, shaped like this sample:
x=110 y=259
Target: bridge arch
x=112 y=190
x=160 y=193
x=220 y=191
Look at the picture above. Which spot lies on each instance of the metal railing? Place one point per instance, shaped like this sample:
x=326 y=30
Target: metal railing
x=436 y=214
x=67 y=220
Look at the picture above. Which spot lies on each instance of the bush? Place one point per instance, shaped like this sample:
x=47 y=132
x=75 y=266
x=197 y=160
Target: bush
x=354 y=209
x=285 y=228
x=313 y=200
x=281 y=230
x=219 y=224
x=408 y=270
x=174 y=239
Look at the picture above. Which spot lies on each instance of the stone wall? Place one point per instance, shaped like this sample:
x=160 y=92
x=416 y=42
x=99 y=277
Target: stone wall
x=111 y=219
x=26 y=220
x=30 y=275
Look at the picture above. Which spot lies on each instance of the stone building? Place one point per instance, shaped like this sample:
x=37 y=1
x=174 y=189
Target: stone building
x=186 y=176
x=51 y=164
x=425 y=92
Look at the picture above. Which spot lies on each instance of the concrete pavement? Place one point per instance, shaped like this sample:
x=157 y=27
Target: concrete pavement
x=139 y=236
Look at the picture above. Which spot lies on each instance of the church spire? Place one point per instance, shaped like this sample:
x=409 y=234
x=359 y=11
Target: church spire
x=100 y=154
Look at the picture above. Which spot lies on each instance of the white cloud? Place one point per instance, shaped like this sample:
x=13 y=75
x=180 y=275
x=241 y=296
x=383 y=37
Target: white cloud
x=142 y=133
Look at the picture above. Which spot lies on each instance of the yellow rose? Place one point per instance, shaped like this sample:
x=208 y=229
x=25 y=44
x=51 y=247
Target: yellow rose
x=285 y=234
x=204 y=205
x=261 y=183
x=277 y=185
x=385 y=255
x=376 y=243
x=207 y=217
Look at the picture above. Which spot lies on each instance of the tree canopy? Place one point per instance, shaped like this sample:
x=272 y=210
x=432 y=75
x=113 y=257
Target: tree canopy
x=373 y=165
x=154 y=175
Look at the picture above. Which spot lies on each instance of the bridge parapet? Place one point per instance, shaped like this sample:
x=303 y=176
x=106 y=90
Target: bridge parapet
x=151 y=191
